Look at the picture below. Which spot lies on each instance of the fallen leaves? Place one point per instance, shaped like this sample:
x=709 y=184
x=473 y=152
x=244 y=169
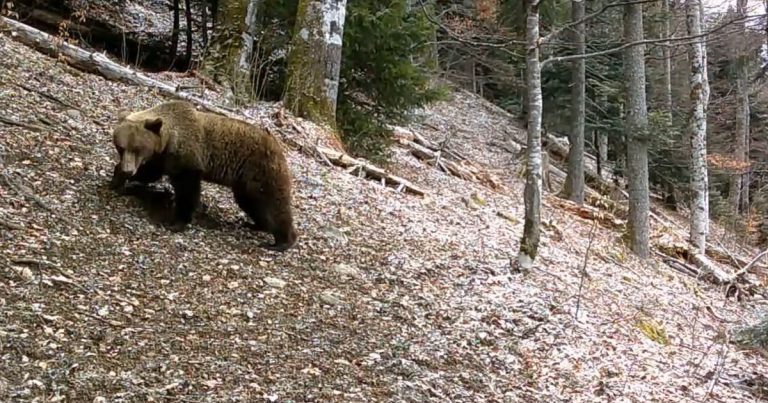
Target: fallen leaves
x=387 y=296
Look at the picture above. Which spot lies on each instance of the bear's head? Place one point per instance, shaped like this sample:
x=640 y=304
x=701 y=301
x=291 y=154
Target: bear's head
x=137 y=140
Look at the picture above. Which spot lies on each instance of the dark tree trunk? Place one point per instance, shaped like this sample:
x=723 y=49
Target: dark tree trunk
x=636 y=132
x=204 y=23
x=188 y=17
x=175 y=33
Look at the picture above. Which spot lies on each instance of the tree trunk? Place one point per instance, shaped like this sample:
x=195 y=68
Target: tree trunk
x=204 y=23
x=314 y=61
x=697 y=126
x=175 y=34
x=667 y=59
x=224 y=56
x=743 y=110
x=601 y=141
x=574 y=182
x=742 y=115
x=636 y=131
x=188 y=17
x=245 y=63
x=529 y=244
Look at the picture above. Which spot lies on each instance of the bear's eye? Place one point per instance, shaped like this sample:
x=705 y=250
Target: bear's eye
x=120 y=150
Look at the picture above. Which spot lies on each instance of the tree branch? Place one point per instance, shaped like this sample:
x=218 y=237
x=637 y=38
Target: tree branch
x=661 y=41
x=500 y=46
x=553 y=34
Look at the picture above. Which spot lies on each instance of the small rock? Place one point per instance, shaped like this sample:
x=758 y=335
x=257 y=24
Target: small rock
x=26 y=274
x=73 y=114
x=275 y=282
x=334 y=234
x=471 y=203
x=507 y=216
x=346 y=270
x=524 y=263
x=329 y=298
x=478 y=199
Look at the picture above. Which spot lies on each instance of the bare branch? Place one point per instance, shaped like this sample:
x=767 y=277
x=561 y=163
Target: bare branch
x=501 y=46
x=660 y=41
x=553 y=34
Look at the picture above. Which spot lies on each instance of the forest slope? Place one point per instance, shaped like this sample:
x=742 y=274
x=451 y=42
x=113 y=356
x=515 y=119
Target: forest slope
x=386 y=297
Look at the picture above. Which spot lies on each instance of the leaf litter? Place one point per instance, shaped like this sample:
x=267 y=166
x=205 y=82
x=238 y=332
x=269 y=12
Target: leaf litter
x=386 y=297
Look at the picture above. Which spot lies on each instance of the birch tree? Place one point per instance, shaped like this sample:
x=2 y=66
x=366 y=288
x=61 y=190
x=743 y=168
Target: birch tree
x=247 y=55
x=529 y=243
x=230 y=53
x=314 y=60
x=697 y=127
x=574 y=180
x=636 y=123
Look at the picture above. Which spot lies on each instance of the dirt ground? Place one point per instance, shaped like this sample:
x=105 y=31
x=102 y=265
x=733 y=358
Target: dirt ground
x=386 y=297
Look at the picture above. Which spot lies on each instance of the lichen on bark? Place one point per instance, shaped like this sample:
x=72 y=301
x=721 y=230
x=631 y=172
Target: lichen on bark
x=314 y=61
x=223 y=58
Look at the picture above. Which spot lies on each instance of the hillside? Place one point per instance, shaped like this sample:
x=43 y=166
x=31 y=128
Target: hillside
x=386 y=297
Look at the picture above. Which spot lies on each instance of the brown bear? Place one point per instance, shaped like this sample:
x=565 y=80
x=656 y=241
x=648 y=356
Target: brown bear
x=188 y=146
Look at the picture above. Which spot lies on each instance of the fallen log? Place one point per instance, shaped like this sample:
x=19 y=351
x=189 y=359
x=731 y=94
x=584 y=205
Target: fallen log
x=672 y=249
x=364 y=169
x=450 y=167
x=444 y=158
x=97 y=63
x=588 y=212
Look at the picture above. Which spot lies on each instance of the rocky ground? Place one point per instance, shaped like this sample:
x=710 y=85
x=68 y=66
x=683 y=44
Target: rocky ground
x=386 y=297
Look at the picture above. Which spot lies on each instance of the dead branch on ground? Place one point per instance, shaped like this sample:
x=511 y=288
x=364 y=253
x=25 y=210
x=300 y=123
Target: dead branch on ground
x=365 y=169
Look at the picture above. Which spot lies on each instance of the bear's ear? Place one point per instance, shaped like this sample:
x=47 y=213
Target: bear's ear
x=121 y=115
x=154 y=125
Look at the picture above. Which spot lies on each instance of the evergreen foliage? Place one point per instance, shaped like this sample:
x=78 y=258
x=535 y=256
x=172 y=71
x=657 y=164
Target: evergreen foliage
x=379 y=83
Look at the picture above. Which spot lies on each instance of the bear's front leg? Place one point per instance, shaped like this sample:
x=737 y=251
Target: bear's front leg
x=186 y=188
x=118 y=180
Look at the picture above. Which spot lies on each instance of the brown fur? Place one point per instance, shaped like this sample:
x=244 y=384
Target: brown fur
x=174 y=139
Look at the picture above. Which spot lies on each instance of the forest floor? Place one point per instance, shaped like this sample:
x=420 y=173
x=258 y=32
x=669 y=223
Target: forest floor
x=386 y=297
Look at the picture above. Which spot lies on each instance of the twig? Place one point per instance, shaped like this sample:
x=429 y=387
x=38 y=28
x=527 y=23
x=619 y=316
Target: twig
x=323 y=157
x=38 y=262
x=12 y=122
x=99 y=318
x=584 y=269
x=750 y=264
x=679 y=265
x=26 y=192
x=719 y=366
x=10 y=225
x=49 y=96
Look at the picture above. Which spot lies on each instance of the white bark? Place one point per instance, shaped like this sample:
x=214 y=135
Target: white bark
x=636 y=132
x=697 y=126
x=314 y=62
x=602 y=151
x=251 y=31
x=529 y=243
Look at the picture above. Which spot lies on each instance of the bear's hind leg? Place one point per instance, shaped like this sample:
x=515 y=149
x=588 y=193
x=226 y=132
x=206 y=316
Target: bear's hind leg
x=186 y=189
x=252 y=207
x=271 y=215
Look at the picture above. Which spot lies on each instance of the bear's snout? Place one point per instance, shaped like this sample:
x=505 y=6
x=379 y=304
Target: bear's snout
x=129 y=164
